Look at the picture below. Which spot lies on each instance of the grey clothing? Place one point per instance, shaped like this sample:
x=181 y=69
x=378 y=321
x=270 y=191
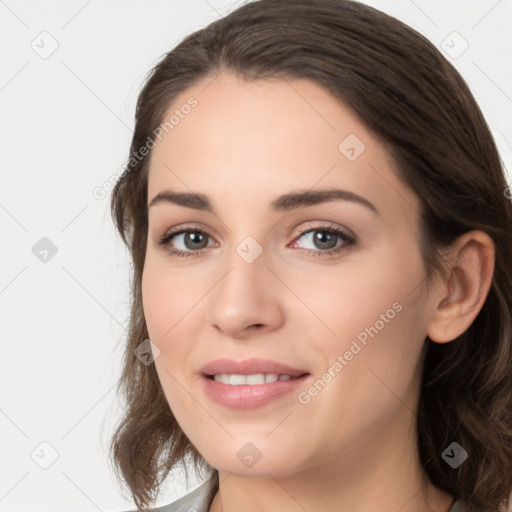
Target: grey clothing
x=196 y=501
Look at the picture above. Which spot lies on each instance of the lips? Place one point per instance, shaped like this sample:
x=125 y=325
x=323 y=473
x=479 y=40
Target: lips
x=250 y=367
x=239 y=384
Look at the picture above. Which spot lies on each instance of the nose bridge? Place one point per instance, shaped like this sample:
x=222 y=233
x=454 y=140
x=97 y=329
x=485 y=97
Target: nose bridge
x=249 y=250
x=245 y=295
x=248 y=268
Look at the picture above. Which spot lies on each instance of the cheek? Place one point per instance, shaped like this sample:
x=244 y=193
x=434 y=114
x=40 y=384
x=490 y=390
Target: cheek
x=165 y=298
x=351 y=297
x=171 y=305
x=375 y=317
x=163 y=307
x=155 y=302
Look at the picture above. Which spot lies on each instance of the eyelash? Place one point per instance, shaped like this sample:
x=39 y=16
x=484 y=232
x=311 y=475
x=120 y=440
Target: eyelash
x=331 y=229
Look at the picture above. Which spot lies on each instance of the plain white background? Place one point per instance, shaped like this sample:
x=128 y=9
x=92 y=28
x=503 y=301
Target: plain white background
x=65 y=129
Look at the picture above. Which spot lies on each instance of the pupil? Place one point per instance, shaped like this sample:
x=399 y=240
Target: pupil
x=321 y=237
x=194 y=238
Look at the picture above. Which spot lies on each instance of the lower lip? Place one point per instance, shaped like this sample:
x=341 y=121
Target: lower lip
x=249 y=396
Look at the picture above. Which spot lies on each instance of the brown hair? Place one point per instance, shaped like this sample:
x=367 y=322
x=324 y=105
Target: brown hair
x=414 y=101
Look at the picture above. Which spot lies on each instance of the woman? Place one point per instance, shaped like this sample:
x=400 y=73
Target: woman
x=340 y=338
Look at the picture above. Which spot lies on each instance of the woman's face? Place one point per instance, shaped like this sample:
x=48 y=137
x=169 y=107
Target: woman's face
x=276 y=283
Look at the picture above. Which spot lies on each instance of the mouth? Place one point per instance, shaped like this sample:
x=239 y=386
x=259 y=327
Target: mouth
x=254 y=379
x=250 y=371
x=252 y=383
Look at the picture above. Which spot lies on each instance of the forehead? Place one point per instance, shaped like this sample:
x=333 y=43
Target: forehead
x=258 y=139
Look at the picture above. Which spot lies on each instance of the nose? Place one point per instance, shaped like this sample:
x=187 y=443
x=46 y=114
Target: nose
x=247 y=298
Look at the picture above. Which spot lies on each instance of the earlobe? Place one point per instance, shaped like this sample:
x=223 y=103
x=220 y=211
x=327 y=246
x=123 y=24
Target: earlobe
x=462 y=294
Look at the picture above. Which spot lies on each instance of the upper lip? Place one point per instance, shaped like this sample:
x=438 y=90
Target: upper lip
x=250 y=367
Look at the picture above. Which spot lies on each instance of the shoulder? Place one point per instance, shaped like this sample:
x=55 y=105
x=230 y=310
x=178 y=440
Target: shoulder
x=194 y=501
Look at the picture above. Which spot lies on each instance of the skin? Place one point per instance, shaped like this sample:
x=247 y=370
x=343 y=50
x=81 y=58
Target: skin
x=352 y=447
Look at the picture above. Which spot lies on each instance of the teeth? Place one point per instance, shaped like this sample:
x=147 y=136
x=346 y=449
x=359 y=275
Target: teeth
x=257 y=378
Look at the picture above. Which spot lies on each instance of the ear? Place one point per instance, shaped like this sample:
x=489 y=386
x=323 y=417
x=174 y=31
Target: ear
x=462 y=293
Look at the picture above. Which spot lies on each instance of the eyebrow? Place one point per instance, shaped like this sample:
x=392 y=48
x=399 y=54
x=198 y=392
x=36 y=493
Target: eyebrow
x=284 y=203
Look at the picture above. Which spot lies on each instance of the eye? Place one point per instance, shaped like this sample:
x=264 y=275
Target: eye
x=326 y=238
x=191 y=239
x=194 y=241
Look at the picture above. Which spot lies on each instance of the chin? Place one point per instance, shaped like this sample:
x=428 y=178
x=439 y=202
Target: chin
x=252 y=456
